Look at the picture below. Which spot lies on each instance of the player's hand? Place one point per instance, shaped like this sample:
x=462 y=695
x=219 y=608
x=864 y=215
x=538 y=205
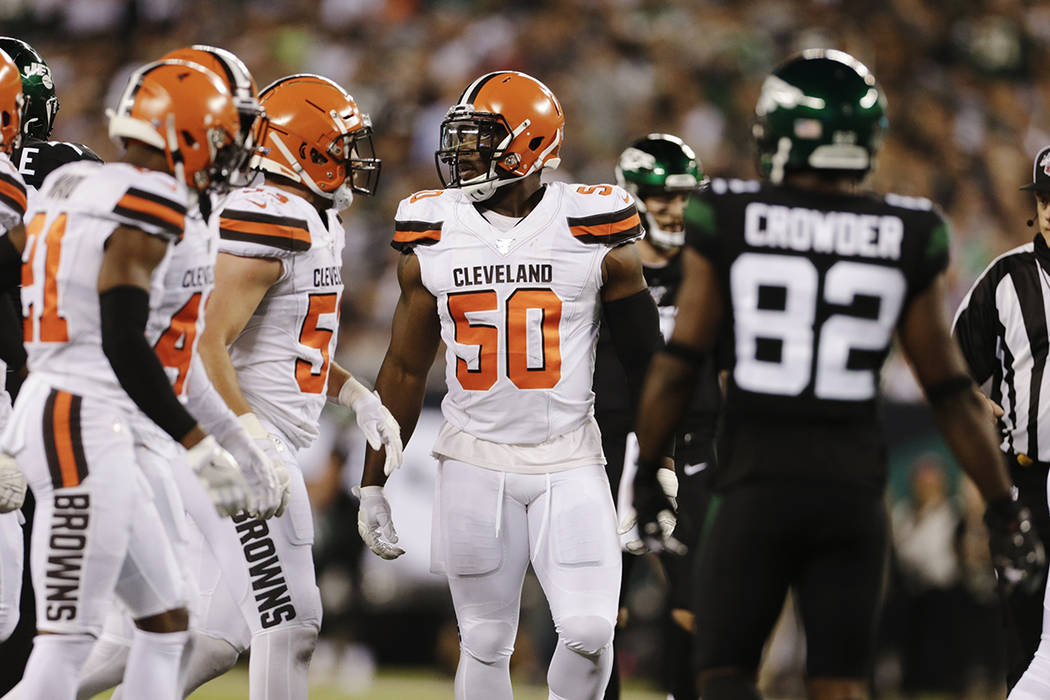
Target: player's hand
x=375 y=421
x=12 y=484
x=374 y=522
x=1017 y=553
x=264 y=469
x=653 y=511
x=217 y=470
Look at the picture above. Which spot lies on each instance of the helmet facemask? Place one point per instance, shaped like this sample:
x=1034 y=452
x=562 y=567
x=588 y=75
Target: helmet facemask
x=678 y=184
x=481 y=139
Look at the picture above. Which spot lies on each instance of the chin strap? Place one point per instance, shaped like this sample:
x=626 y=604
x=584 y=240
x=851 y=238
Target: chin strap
x=295 y=172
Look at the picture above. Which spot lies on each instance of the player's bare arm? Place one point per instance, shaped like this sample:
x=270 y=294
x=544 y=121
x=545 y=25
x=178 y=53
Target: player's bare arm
x=960 y=414
x=672 y=375
x=127 y=267
x=414 y=338
x=240 y=284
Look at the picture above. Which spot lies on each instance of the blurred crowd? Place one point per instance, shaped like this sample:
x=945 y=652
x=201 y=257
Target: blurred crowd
x=968 y=83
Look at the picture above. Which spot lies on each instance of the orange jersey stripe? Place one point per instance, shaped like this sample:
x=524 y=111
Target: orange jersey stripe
x=13 y=195
x=608 y=229
x=413 y=236
x=67 y=461
x=164 y=215
x=259 y=228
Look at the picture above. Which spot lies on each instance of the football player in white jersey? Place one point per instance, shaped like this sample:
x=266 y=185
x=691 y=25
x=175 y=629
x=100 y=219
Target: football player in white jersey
x=12 y=240
x=514 y=275
x=179 y=291
x=96 y=234
x=268 y=341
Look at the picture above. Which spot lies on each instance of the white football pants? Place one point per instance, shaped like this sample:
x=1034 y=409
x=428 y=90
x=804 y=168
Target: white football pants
x=10 y=571
x=488 y=526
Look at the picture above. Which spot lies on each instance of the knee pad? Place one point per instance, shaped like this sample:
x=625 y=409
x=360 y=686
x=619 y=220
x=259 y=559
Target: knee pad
x=489 y=641
x=589 y=635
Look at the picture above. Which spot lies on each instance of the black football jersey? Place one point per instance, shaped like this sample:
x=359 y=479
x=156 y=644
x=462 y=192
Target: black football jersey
x=693 y=441
x=814 y=285
x=36 y=158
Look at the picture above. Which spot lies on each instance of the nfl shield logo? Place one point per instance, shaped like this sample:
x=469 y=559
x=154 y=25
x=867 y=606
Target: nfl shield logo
x=1045 y=164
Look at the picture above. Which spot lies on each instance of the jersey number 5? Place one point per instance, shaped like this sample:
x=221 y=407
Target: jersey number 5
x=52 y=327
x=531 y=339
x=310 y=335
x=778 y=330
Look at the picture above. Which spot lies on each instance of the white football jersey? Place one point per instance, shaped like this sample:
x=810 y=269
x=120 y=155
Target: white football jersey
x=76 y=210
x=520 y=309
x=12 y=195
x=178 y=293
x=282 y=356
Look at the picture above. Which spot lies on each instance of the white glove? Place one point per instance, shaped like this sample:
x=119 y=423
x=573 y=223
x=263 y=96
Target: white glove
x=374 y=420
x=633 y=540
x=218 y=471
x=12 y=484
x=374 y=522
x=269 y=477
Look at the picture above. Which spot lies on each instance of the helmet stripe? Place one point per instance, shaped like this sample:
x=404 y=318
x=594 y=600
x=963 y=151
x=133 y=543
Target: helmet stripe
x=471 y=93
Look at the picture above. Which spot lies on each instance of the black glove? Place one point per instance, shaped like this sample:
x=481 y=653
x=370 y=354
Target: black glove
x=653 y=511
x=1017 y=553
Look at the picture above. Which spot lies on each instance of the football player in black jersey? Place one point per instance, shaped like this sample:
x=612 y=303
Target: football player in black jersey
x=37 y=156
x=660 y=171
x=805 y=278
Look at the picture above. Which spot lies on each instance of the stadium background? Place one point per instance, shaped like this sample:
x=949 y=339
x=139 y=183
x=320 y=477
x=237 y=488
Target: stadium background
x=968 y=83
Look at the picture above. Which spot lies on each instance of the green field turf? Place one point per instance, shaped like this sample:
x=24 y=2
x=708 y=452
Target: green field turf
x=390 y=684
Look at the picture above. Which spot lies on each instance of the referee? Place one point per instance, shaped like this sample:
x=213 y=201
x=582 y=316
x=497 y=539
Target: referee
x=1001 y=326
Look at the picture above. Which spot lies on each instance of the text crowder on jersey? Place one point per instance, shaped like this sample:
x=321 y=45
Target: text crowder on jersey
x=840 y=232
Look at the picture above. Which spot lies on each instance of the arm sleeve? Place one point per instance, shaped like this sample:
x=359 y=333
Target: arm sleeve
x=701 y=232
x=976 y=328
x=634 y=327
x=124 y=311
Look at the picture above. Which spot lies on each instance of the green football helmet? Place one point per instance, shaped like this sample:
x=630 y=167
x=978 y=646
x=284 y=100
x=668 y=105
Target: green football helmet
x=820 y=111
x=659 y=164
x=38 y=89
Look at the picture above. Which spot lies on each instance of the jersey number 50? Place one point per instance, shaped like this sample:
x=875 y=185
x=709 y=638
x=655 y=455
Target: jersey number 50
x=531 y=338
x=788 y=318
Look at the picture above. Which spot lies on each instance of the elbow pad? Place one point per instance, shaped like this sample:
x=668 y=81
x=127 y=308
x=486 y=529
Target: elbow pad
x=124 y=311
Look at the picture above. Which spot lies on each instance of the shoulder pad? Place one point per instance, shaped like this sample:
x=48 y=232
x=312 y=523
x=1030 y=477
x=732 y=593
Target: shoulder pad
x=144 y=199
x=602 y=214
x=13 y=199
x=153 y=202
x=734 y=186
x=44 y=157
x=419 y=218
x=262 y=222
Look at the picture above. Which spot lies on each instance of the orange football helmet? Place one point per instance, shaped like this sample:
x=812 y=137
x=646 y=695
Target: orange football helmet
x=186 y=111
x=505 y=126
x=10 y=105
x=316 y=135
x=242 y=85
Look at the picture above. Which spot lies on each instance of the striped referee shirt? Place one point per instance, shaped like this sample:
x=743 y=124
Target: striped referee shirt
x=1001 y=326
